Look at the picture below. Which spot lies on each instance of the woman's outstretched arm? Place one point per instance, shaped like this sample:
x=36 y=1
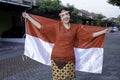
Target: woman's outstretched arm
x=101 y=32
x=26 y=15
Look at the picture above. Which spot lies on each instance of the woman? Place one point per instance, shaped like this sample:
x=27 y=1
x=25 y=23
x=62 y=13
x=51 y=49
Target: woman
x=63 y=57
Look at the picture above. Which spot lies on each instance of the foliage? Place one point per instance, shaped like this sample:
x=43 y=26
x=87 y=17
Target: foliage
x=99 y=20
x=114 y=2
x=74 y=17
x=47 y=8
x=50 y=9
x=118 y=20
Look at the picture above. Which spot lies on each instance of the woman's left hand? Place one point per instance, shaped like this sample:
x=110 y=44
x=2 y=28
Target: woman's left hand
x=108 y=30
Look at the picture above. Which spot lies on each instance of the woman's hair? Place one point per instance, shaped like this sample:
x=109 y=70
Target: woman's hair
x=63 y=8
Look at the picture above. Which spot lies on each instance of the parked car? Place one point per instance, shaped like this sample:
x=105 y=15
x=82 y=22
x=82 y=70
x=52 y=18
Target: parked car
x=114 y=29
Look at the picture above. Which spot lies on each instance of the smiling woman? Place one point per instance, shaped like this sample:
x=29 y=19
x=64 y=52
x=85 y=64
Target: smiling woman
x=65 y=17
x=65 y=36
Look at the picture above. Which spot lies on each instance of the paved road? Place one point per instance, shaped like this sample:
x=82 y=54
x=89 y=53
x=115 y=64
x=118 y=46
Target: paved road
x=13 y=67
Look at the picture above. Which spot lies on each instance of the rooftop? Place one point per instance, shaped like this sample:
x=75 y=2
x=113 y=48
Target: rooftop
x=15 y=4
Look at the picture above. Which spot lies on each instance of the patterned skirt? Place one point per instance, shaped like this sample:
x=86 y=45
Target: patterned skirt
x=63 y=70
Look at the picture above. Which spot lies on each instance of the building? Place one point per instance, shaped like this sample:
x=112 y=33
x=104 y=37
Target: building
x=87 y=17
x=11 y=25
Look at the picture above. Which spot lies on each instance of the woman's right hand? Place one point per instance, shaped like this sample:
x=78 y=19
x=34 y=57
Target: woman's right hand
x=36 y=23
x=25 y=15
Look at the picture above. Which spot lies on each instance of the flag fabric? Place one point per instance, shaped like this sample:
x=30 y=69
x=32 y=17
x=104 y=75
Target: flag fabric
x=88 y=53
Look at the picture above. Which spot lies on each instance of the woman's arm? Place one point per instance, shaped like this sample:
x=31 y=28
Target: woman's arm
x=101 y=32
x=26 y=15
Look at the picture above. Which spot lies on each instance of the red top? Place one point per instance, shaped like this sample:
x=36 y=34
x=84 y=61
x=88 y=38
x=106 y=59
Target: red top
x=65 y=40
x=64 y=43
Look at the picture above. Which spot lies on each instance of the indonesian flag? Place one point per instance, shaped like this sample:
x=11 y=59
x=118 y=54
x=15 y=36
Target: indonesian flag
x=88 y=53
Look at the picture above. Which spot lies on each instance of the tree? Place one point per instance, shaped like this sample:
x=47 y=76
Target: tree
x=114 y=2
x=50 y=9
x=47 y=8
x=74 y=14
x=118 y=20
x=99 y=20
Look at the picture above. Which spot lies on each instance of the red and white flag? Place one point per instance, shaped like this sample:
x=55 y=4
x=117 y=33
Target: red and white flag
x=88 y=53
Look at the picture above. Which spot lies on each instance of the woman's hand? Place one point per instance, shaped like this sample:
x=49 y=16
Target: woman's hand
x=101 y=32
x=108 y=30
x=25 y=15
x=36 y=23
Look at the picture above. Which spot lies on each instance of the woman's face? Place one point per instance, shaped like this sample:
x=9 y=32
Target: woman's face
x=65 y=16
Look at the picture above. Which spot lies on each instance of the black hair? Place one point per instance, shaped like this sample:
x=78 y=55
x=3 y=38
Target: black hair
x=63 y=8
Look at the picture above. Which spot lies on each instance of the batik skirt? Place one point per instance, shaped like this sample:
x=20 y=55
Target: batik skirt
x=63 y=70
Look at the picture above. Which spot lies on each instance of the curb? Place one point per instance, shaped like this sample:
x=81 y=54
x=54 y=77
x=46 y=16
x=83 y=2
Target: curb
x=12 y=47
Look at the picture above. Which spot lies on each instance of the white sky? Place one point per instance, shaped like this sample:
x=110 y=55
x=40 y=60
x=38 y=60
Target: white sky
x=97 y=6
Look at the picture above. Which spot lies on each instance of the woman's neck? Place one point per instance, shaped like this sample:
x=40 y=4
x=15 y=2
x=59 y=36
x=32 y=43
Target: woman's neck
x=66 y=25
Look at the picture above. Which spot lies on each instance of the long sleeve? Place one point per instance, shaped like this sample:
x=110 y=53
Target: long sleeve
x=47 y=31
x=85 y=38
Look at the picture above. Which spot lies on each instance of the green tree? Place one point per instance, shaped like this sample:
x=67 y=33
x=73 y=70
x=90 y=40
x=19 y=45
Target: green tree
x=47 y=8
x=74 y=14
x=114 y=2
x=50 y=9
x=118 y=20
x=100 y=20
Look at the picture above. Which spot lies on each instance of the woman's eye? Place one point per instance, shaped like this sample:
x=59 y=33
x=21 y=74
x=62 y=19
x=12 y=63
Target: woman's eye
x=62 y=15
x=66 y=13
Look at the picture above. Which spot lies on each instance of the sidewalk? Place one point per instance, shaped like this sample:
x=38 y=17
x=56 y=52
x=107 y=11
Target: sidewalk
x=13 y=66
x=7 y=47
x=10 y=45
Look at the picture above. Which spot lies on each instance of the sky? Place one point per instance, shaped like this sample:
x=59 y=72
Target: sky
x=96 y=6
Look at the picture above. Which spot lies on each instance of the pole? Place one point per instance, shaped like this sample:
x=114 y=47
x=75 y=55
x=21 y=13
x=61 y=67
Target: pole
x=24 y=36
